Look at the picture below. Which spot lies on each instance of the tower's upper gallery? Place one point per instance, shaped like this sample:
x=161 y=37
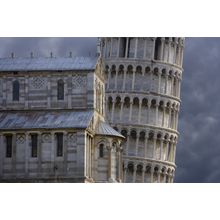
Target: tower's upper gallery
x=162 y=49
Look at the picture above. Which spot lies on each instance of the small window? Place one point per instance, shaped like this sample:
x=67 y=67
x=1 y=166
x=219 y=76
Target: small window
x=34 y=145
x=157 y=48
x=60 y=90
x=101 y=150
x=9 y=146
x=16 y=91
x=59 y=144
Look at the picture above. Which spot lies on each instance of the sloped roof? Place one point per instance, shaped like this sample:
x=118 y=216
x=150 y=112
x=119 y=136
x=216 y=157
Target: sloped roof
x=104 y=128
x=41 y=119
x=46 y=64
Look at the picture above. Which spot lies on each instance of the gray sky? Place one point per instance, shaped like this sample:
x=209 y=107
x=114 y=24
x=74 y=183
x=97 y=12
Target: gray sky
x=198 y=150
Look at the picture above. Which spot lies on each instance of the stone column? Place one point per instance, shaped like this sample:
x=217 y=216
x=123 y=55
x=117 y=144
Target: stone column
x=49 y=91
x=136 y=46
x=26 y=92
x=181 y=55
x=104 y=52
x=162 y=48
x=145 y=144
x=125 y=172
x=161 y=148
x=124 y=80
x=143 y=172
x=154 y=145
x=152 y=174
x=130 y=112
x=145 y=47
x=167 y=150
x=113 y=110
x=148 y=111
x=108 y=79
x=177 y=119
x=153 y=49
x=119 y=41
x=119 y=155
x=174 y=151
x=110 y=164
x=127 y=142
x=14 y=161
x=169 y=48
x=163 y=120
x=137 y=143
x=179 y=87
x=53 y=150
x=65 y=143
x=133 y=80
x=174 y=56
x=4 y=92
x=158 y=176
x=126 y=50
x=121 y=110
x=166 y=84
x=116 y=78
x=69 y=88
x=169 y=118
x=156 y=112
x=39 y=153
x=139 y=112
x=134 y=173
x=111 y=47
x=159 y=82
x=142 y=81
x=27 y=153
x=172 y=85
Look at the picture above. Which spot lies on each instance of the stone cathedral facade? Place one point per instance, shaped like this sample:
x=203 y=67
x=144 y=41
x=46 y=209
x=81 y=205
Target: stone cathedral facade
x=52 y=124
x=143 y=78
x=107 y=119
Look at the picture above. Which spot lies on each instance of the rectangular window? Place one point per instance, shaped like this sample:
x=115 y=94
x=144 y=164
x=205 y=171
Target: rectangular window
x=59 y=144
x=34 y=145
x=9 y=146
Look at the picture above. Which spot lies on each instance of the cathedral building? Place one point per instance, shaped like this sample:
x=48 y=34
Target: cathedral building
x=143 y=78
x=108 y=119
x=52 y=122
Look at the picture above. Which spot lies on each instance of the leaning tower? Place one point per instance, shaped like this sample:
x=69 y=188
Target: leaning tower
x=143 y=78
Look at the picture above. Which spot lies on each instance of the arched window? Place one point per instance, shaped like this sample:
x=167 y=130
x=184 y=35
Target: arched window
x=60 y=90
x=101 y=150
x=157 y=48
x=16 y=91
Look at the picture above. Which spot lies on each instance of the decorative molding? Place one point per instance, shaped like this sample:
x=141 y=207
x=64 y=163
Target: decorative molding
x=79 y=81
x=20 y=139
x=46 y=138
x=38 y=83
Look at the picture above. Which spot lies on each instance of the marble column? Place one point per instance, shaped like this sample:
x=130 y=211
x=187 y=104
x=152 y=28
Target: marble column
x=27 y=153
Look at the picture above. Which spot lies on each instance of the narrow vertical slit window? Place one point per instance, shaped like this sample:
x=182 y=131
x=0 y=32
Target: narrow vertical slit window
x=34 y=140
x=60 y=90
x=101 y=150
x=9 y=146
x=59 y=144
x=16 y=91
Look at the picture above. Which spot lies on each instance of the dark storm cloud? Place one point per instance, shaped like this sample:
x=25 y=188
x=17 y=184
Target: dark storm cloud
x=198 y=150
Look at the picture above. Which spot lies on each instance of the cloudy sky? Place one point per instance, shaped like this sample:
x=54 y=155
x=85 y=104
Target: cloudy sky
x=198 y=150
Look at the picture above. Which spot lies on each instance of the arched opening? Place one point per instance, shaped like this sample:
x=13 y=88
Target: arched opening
x=122 y=47
x=157 y=48
x=101 y=150
x=135 y=110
